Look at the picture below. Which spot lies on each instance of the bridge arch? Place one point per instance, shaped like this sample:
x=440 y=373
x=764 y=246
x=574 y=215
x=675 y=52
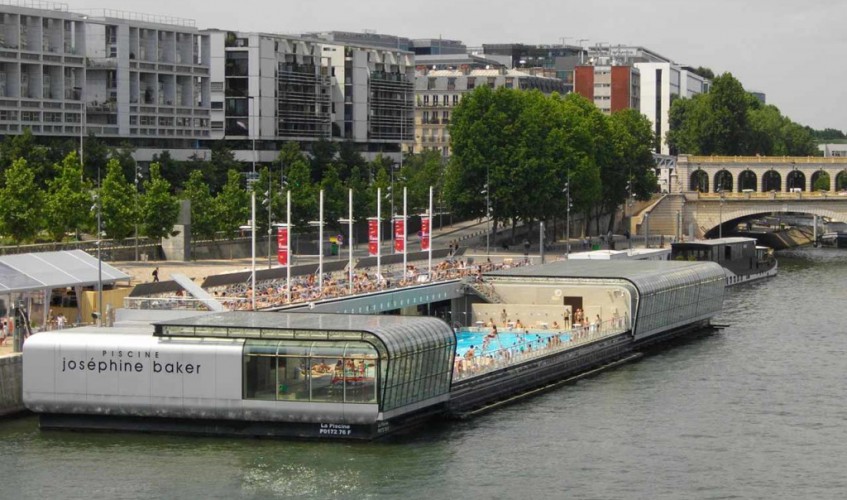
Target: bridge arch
x=723 y=181
x=699 y=181
x=747 y=180
x=795 y=179
x=771 y=181
x=820 y=181
x=841 y=181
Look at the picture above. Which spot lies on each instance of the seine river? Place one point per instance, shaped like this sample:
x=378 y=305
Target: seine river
x=758 y=410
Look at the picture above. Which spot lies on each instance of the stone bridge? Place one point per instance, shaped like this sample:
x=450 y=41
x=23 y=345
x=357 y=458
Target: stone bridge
x=706 y=192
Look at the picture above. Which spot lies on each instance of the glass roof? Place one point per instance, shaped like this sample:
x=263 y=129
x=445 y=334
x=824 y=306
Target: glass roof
x=646 y=275
x=48 y=270
x=399 y=334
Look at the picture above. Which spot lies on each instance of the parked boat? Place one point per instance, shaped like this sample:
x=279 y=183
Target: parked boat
x=741 y=258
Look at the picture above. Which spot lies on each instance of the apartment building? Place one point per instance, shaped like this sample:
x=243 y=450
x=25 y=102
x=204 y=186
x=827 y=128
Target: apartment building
x=553 y=61
x=618 y=77
x=610 y=87
x=437 y=91
x=120 y=76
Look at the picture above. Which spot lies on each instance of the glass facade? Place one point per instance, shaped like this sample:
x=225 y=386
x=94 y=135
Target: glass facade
x=679 y=297
x=290 y=370
x=392 y=361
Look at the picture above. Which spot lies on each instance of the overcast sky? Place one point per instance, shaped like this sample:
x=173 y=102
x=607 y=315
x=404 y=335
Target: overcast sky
x=792 y=50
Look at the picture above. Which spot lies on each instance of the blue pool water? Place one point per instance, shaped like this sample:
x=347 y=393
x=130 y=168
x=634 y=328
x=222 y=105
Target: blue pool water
x=465 y=338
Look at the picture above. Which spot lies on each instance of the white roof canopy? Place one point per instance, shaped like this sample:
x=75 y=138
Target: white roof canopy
x=49 y=270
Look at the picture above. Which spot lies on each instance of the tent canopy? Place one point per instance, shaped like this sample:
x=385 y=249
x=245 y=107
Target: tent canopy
x=48 y=270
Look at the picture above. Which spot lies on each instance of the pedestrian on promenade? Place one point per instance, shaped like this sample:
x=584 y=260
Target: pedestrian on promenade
x=156 y=275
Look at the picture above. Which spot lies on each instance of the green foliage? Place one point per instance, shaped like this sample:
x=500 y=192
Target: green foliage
x=67 y=201
x=822 y=182
x=420 y=172
x=203 y=214
x=175 y=172
x=36 y=155
x=159 y=209
x=21 y=210
x=730 y=121
x=527 y=147
x=232 y=204
x=827 y=134
x=117 y=199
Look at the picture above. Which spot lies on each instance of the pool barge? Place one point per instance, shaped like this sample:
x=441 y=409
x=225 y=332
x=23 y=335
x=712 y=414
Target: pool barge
x=315 y=375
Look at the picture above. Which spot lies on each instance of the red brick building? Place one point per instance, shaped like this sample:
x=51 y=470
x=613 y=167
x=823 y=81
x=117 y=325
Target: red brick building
x=611 y=88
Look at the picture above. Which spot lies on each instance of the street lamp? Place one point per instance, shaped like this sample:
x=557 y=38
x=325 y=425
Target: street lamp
x=252 y=228
x=98 y=207
x=567 y=192
x=137 y=195
x=487 y=192
x=320 y=224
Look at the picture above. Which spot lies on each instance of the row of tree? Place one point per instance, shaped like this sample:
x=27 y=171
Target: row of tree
x=59 y=201
x=527 y=154
x=728 y=120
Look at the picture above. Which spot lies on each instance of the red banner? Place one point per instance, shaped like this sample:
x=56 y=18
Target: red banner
x=373 y=237
x=282 y=246
x=399 y=235
x=424 y=233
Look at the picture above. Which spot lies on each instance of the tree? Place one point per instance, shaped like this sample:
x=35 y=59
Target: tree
x=117 y=201
x=175 y=172
x=203 y=215
x=26 y=146
x=232 y=204
x=216 y=171
x=323 y=155
x=67 y=202
x=730 y=121
x=632 y=170
x=159 y=209
x=20 y=212
x=422 y=171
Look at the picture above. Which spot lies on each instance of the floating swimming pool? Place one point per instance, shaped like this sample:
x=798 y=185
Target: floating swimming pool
x=506 y=339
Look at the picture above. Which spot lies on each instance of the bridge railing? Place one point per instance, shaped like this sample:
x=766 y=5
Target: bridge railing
x=772 y=195
x=788 y=160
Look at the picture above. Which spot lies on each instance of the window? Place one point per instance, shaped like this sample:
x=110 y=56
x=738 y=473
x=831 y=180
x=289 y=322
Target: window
x=471 y=83
x=292 y=370
x=455 y=99
x=430 y=83
x=426 y=100
x=435 y=100
x=446 y=100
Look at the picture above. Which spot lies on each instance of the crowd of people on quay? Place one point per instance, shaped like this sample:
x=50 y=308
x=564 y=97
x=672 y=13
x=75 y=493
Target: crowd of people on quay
x=274 y=293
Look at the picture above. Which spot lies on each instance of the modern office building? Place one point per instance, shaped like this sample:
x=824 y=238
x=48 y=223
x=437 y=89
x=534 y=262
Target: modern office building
x=123 y=77
x=438 y=91
x=553 y=61
x=159 y=83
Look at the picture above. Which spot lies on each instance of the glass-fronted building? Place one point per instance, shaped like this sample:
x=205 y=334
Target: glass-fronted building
x=654 y=296
x=399 y=364
x=253 y=373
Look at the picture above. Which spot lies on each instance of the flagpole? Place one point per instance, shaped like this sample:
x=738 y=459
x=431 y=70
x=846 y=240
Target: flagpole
x=378 y=236
x=321 y=244
x=429 y=236
x=253 y=246
x=350 y=242
x=288 y=247
x=405 y=232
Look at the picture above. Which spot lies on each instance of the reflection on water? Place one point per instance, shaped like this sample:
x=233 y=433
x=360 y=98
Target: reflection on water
x=755 y=411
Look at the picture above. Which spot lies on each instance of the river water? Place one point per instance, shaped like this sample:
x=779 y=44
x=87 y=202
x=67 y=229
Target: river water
x=758 y=410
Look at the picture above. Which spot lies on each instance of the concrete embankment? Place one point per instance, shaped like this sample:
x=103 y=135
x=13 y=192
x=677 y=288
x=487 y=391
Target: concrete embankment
x=11 y=384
